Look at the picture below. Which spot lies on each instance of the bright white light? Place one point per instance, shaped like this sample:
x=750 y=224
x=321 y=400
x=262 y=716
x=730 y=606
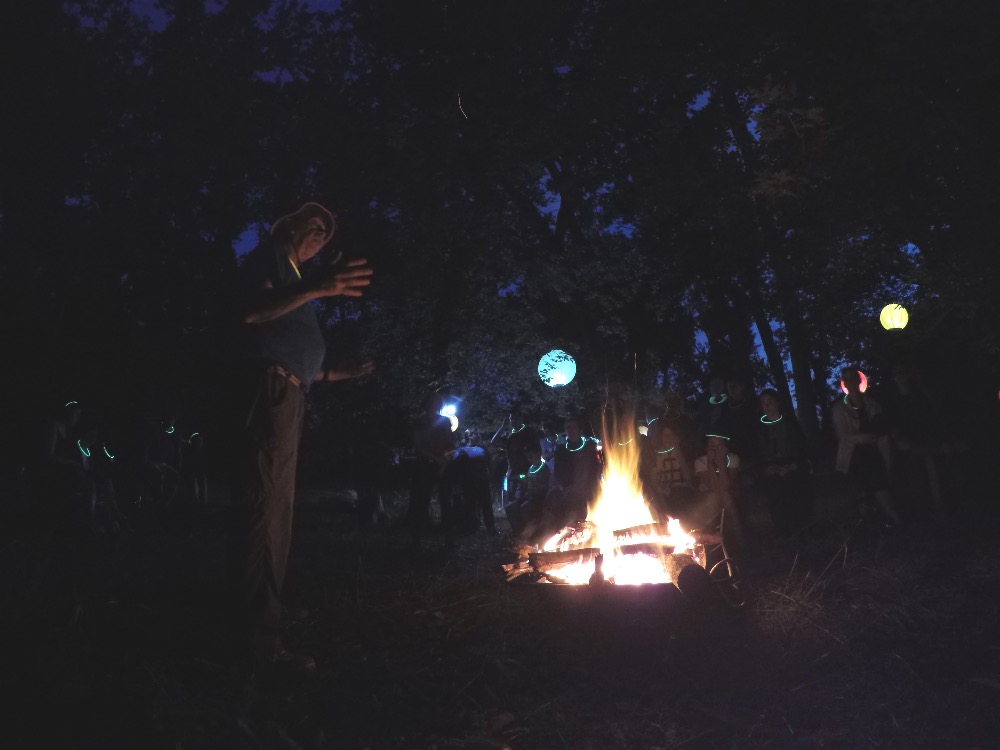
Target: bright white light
x=454 y=422
x=557 y=368
x=448 y=410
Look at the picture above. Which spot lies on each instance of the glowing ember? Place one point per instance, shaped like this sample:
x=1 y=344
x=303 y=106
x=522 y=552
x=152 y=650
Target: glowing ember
x=635 y=546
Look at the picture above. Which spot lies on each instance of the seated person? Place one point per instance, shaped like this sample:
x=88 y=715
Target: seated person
x=666 y=472
x=717 y=475
x=784 y=466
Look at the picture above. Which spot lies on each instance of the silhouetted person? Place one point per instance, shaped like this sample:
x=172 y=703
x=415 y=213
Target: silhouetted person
x=434 y=444
x=918 y=431
x=195 y=469
x=676 y=417
x=469 y=474
x=163 y=462
x=666 y=471
x=528 y=514
x=576 y=475
x=743 y=420
x=715 y=415
x=864 y=450
x=515 y=435
x=64 y=491
x=784 y=466
x=283 y=353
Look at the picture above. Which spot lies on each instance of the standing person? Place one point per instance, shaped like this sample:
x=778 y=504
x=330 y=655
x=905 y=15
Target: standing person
x=680 y=422
x=283 y=352
x=864 y=451
x=918 y=431
x=715 y=414
x=63 y=490
x=163 y=462
x=743 y=422
x=195 y=469
x=469 y=473
x=784 y=466
x=527 y=513
x=515 y=435
x=576 y=475
x=434 y=444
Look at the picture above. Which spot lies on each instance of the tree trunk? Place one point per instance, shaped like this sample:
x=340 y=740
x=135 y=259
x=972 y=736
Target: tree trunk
x=771 y=350
x=805 y=396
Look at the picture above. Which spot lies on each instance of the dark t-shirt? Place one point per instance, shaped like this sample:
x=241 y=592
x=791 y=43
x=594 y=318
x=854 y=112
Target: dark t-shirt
x=578 y=466
x=517 y=441
x=782 y=445
x=293 y=340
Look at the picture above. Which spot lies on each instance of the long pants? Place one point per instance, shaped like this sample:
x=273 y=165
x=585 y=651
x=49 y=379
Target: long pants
x=426 y=476
x=788 y=501
x=264 y=490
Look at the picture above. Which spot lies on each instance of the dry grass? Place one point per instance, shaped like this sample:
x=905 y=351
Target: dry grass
x=858 y=640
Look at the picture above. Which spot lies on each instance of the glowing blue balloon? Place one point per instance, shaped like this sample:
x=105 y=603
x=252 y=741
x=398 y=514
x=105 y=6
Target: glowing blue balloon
x=556 y=368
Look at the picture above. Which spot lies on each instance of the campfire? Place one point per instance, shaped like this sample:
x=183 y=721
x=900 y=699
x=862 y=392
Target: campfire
x=621 y=542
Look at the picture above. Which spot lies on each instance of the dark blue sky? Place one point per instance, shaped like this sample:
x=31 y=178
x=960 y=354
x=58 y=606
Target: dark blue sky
x=157 y=17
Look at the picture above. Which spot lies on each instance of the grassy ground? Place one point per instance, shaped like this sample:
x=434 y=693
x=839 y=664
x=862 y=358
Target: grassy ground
x=860 y=639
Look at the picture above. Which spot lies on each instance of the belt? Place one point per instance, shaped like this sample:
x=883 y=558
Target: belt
x=288 y=375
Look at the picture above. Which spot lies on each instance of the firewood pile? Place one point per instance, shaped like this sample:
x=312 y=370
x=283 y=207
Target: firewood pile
x=575 y=547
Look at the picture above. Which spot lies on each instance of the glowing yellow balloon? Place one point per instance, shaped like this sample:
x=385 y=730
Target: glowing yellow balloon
x=893 y=316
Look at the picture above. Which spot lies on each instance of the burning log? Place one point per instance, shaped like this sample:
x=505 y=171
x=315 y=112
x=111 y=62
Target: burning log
x=518 y=569
x=645 y=531
x=653 y=530
x=574 y=536
x=649 y=548
x=545 y=562
x=622 y=543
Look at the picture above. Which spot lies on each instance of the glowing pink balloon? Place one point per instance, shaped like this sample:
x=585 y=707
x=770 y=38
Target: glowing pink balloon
x=864 y=383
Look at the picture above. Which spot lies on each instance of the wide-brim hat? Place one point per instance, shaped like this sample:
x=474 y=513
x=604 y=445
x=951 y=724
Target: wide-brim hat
x=307 y=211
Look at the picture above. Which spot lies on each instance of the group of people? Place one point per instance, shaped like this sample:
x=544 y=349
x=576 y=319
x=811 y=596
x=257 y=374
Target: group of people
x=885 y=440
x=85 y=476
x=706 y=462
x=694 y=466
x=278 y=352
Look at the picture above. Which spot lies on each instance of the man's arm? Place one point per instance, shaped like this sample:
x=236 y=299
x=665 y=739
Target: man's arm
x=347 y=281
x=333 y=376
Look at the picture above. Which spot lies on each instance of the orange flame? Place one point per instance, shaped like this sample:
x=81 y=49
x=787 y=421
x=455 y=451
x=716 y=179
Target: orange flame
x=620 y=505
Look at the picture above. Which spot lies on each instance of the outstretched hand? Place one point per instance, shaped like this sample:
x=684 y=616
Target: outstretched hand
x=334 y=376
x=365 y=368
x=348 y=280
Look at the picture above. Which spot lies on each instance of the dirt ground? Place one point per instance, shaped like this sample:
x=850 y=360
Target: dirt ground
x=856 y=638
